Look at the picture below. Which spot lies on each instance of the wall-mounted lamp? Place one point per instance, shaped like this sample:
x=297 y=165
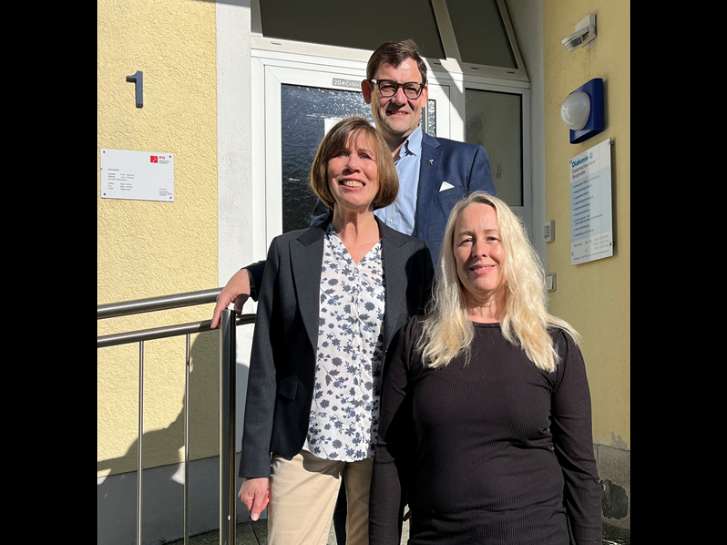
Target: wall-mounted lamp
x=575 y=110
x=582 y=111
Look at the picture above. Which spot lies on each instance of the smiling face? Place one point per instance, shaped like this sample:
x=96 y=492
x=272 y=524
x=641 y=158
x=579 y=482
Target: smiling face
x=478 y=252
x=353 y=174
x=396 y=116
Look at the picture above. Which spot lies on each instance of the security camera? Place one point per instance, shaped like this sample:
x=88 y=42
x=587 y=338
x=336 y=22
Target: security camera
x=585 y=33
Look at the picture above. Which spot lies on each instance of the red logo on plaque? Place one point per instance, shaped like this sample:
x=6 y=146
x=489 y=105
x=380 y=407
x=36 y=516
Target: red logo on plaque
x=154 y=158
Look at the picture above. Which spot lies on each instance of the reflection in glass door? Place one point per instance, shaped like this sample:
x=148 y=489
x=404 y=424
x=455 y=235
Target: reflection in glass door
x=304 y=111
x=494 y=120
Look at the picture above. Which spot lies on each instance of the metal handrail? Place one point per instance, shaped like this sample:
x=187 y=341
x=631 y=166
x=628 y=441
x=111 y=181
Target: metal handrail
x=162 y=332
x=227 y=348
x=152 y=304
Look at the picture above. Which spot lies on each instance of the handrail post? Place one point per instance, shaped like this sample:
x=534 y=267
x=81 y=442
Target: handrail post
x=228 y=494
x=187 y=370
x=140 y=467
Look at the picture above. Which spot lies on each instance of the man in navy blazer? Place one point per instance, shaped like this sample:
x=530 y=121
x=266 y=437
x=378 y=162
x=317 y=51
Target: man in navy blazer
x=434 y=173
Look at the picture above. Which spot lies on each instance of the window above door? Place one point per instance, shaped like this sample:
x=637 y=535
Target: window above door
x=472 y=38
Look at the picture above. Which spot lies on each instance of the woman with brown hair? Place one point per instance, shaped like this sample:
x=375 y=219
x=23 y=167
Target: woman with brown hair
x=331 y=299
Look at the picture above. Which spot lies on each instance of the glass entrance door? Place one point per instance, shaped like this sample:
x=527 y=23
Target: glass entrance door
x=301 y=104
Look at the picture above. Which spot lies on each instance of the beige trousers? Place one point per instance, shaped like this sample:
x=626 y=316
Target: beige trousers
x=303 y=493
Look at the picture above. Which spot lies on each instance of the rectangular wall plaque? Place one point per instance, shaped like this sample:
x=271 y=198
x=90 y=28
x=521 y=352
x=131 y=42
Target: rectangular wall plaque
x=137 y=175
x=591 y=221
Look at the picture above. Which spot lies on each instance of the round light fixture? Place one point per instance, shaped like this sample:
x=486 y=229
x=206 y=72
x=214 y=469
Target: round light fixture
x=575 y=110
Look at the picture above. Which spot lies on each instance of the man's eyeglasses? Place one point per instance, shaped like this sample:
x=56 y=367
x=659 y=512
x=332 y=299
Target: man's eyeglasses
x=388 y=88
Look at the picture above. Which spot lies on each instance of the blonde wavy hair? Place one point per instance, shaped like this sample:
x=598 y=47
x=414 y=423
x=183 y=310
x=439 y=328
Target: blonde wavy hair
x=447 y=331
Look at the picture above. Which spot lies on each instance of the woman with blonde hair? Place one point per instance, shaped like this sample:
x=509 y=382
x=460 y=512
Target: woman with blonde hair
x=485 y=426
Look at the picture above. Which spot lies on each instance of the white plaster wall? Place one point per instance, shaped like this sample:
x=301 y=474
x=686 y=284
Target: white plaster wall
x=239 y=218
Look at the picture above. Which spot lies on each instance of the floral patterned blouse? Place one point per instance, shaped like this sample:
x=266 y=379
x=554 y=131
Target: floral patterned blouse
x=345 y=409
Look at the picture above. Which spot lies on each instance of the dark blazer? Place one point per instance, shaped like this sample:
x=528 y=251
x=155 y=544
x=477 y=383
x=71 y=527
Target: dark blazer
x=285 y=340
x=464 y=166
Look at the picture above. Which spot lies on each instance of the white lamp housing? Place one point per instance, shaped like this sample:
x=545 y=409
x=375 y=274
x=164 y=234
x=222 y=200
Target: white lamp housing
x=575 y=110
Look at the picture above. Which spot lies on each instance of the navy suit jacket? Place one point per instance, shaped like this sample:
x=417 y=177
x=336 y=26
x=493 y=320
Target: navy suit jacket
x=465 y=166
x=285 y=339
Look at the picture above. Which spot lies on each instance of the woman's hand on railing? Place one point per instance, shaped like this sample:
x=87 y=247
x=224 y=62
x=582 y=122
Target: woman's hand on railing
x=255 y=494
x=237 y=289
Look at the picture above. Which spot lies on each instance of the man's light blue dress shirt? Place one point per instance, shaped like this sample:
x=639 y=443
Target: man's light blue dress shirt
x=400 y=214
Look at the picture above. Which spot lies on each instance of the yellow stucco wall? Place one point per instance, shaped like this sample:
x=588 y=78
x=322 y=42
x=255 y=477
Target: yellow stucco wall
x=150 y=248
x=594 y=297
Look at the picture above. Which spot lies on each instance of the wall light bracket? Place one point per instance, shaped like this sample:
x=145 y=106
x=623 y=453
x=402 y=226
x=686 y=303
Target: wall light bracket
x=585 y=33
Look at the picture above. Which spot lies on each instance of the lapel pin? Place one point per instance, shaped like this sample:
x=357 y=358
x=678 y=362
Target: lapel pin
x=431 y=162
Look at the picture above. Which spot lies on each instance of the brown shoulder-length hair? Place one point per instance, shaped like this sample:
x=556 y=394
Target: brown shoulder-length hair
x=337 y=140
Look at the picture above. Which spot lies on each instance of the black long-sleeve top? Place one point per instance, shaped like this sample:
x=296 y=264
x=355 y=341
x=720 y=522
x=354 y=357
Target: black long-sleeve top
x=493 y=452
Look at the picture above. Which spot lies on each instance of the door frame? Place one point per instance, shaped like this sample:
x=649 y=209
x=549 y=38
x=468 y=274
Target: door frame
x=272 y=67
x=270 y=70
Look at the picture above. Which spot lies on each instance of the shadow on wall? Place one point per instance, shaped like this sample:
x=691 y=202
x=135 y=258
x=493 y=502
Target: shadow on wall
x=163 y=485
